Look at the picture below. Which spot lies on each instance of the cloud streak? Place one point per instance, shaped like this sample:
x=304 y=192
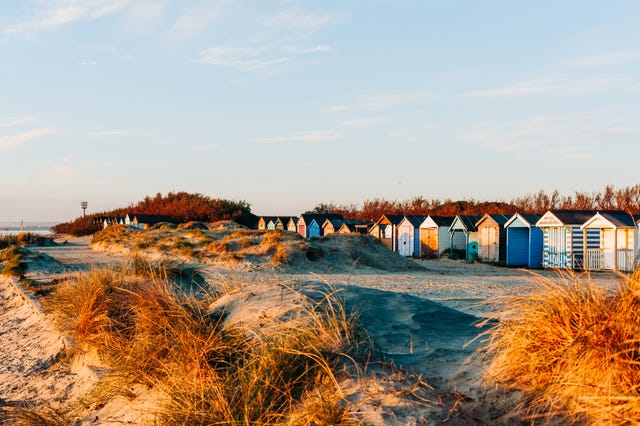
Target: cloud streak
x=382 y=102
x=305 y=137
x=240 y=58
x=17 y=140
x=64 y=12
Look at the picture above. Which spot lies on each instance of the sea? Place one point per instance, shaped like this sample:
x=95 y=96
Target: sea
x=14 y=228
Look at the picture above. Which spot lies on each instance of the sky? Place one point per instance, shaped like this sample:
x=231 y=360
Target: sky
x=285 y=104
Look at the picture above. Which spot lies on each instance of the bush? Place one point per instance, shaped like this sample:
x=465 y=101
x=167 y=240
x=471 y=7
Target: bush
x=573 y=349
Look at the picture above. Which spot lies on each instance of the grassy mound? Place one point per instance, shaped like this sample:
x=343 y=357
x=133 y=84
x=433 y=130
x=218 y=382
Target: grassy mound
x=231 y=245
x=573 y=350
x=208 y=368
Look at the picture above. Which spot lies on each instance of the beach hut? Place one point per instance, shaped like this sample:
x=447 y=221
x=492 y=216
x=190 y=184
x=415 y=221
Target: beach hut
x=434 y=236
x=563 y=240
x=385 y=229
x=618 y=241
x=146 y=221
x=331 y=226
x=263 y=222
x=524 y=241
x=355 y=226
x=463 y=236
x=409 y=236
x=492 y=238
x=305 y=222
x=292 y=224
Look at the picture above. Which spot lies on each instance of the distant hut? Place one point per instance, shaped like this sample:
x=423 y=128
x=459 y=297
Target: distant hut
x=524 y=241
x=464 y=237
x=355 y=226
x=292 y=224
x=434 y=236
x=618 y=242
x=492 y=238
x=385 y=229
x=331 y=226
x=409 y=236
x=263 y=222
x=307 y=229
x=146 y=221
x=564 y=242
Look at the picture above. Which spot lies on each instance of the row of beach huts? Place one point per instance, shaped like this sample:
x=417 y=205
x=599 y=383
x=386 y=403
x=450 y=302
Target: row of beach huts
x=563 y=239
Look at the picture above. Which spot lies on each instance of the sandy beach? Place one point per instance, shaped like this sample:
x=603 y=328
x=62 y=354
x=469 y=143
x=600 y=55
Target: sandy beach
x=422 y=321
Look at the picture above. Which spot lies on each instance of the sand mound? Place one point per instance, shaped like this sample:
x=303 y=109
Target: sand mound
x=192 y=226
x=225 y=225
x=230 y=245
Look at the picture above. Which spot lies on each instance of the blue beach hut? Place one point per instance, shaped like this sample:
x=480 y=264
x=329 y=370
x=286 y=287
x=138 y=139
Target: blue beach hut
x=524 y=241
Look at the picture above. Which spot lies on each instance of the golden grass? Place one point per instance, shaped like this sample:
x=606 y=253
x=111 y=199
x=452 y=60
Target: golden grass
x=573 y=349
x=150 y=332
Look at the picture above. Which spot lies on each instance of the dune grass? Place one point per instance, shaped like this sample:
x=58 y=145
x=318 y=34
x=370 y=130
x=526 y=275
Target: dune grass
x=14 y=264
x=573 y=349
x=149 y=331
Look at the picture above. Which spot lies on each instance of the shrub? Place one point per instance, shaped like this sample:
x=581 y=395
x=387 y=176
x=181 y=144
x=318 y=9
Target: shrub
x=573 y=349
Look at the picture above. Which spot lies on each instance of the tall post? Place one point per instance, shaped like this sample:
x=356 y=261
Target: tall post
x=83 y=205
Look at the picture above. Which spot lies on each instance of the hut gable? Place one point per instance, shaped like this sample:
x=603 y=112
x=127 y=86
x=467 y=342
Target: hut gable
x=524 y=241
x=523 y=220
x=617 y=246
x=409 y=235
x=564 y=244
x=385 y=229
x=464 y=237
x=292 y=224
x=492 y=238
x=434 y=236
x=331 y=226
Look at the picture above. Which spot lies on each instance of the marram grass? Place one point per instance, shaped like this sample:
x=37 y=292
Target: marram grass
x=573 y=349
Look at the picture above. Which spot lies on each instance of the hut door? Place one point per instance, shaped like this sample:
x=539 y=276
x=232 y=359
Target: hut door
x=608 y=247
x=492 y=244
x=429 y=242
x=405 y=244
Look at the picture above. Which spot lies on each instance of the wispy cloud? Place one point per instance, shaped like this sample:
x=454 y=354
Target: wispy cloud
x=552 y=87
x=240 y=58
x=144 y=15
x=107 y=133
x=525 y=88
x=606 y=59
x=294 y=24
x=62 y=12
x=321 y=48
x=88 y=63
x=382 y=102
x=17 y=121
x=195 y=20
x=306 y=137
x=364 y=121
x=15 y=141
x=565 y=137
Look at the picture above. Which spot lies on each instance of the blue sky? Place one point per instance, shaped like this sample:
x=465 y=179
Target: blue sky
x=286 y=104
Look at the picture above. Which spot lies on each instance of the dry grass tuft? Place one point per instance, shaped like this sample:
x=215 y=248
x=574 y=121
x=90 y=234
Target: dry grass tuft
x=573 y=349
x=150 y=332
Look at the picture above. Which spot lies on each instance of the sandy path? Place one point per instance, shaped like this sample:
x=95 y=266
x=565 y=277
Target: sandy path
x=29 y=344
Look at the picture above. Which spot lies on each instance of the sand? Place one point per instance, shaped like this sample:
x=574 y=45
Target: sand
x=422 y=321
